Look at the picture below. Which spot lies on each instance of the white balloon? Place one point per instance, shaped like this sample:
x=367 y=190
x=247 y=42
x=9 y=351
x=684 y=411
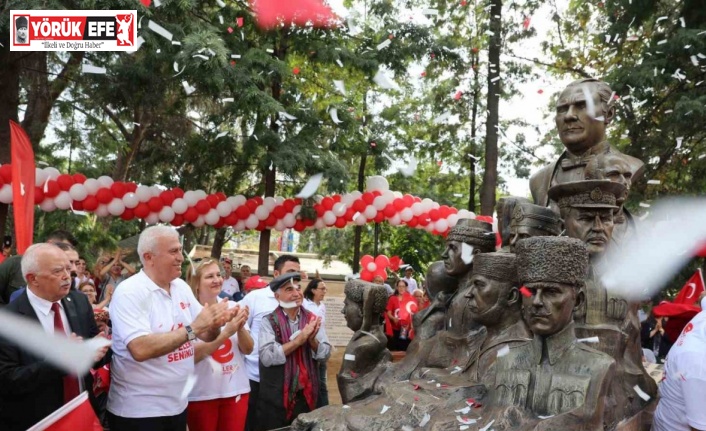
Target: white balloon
x=47 y=205
x=239 y=200
x=389 y=196
x=296 y=209
x=261 y=212
x=78 y=192
x=232 y=201
x=376 y=183
x=143 y=193
x=319 y=224
x=39 y=177
x=396 y=220
x=270 y=203
x=279 y=200
x=239 y=225
x=356 y=194
x=406 y=214
x=116 y=207
x=6 y=195
x=62 y=201
x=379 y=203
x=442 y=225
x=52 y=173
x=102 y=210
x=279 y=226
x=370 y=212
x=191 y=197
x=224 y=208
x=131 y=200
x=427 y=204
x=329 y=218
x=339 y=209
x=252 y=222
x=452 y=219
x=347 y=199
x=417 y=208
x=464 y=213
x=105 y=181
x=92 y=185
x=289 y=220
x=166 y=215
x=211 y=217
x=371 y=267
x=179 y=206
x=360 y=220
x=201 y=194
x=199 y=221
x=430 y=227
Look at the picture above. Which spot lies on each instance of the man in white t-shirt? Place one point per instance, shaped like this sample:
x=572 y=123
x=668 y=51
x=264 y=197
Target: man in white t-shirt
x=262 y=302
x=230 y=284
x=683 y=390
x=411 y=282
x=155 y=320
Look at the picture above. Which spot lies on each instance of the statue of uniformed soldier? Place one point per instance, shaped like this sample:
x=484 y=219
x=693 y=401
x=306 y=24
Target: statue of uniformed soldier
x=530 y=220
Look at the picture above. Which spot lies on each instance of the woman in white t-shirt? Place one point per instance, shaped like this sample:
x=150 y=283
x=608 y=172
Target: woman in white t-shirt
x=314 y=302
x=219 y=399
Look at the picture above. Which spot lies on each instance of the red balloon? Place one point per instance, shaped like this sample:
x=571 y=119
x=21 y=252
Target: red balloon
x=366 y=275
x=260 y=226
x=299 y=226
x=242 y=212
x=178 y=220
x=389 y=211
x=365 y=260
x=90 y=203
x=395 y=263
x=191 y=215
x=271 y=220
x=359 y=206
x=203 y=206
x=131 y=187
x=336 y=198
x=398 y=204
x=128 y=214
x=340 y=222
x=212 y=200
x=142 y=210
x=309 y=222
x=413 y=222
x=79 y=178
x=51 y=189
x=65 y=181
x=444 y=211
x=423 y=220
x=76 y=205
x=382 y=261
x=379 y=217
x=381 y=272
x=319 y=210
x=38 y=195
x=258 y=200
x=288 y=205
x=327 y=203
x=104 y=195
x=231 y=219
x=219 y=224
x=702 y=251
x=118 y=189
x=368 y=198
x=221 y=196
x=155 y=204
x=179 y=193
x=279 y=212
x=350 y=212
x=6 y=173
x=168 y=197
x=434 y=214
x=408 y=200
x=252 y=204
x=487 y=219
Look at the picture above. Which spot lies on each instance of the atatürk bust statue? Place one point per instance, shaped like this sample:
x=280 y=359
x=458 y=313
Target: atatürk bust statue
x=583 y=134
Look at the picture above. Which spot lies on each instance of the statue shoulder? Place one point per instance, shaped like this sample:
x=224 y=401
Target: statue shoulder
x=637 y=166
x=597 y=359
x=539 y=182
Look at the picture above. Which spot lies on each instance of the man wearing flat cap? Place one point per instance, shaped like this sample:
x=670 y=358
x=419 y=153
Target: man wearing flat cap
x=291 y=340
x=21 y=27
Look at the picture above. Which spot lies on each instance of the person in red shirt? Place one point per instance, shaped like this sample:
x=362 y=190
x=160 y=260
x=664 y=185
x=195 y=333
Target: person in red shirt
x=396 y=332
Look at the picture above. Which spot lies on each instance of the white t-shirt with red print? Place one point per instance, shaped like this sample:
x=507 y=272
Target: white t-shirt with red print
x=154 y=387
x=683 y=390
x=222 y=374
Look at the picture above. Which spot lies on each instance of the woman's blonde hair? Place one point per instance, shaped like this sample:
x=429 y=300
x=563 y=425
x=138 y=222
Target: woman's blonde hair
x=193 y=275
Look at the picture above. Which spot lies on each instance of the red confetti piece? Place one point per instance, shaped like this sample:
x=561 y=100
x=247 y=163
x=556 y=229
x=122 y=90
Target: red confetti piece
x=464 y=2
x=439 y=163
x=424 y=74
x=416 y=387
x=477 y=406
x=239 y=20
x=299 y=12
x=525 y=291
x=471 y=400
x=392 y=36
x=540 y=91
x=432 y=55
x=296 y=71
x=373 y=144
x=616 y=97
x=458 y=95
x=354 y=374
x=146 y=3
x=232 y=62
x=475 y=50
x=230 y=29
x=526 y=23
x=416 y=398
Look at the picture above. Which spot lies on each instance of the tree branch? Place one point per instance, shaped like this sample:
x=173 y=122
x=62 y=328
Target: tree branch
x=127 y=135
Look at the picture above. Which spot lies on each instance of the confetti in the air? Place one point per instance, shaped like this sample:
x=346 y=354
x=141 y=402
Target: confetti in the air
x=487 y=427
x=588 y=340
x=641 y=393
x=383 y=81
x=525 y=291
x=425 y=420
x=89 y=68
x=188 y=88
x=411 y=168
x=311 y=186
x=349 y=357
x=654 y=182
x=159 y=30
x=466 y=421
x=504 y=350
x=384 y=409
x=384 y=44
x=333 y=112
x=340 y=86
x=466 y=253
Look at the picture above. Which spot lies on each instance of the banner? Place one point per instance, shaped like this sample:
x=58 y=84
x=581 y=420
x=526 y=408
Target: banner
x=23 y=173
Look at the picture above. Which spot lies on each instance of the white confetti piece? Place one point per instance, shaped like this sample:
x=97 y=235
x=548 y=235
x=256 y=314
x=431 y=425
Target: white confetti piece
x=545 y=417
x=590 y=103
x=74 y=357
x=222 y=134
x=434 y=12
x=188 y=88
x=311 y=186
x=159 y=30
x=456 y=370
x=333 y=112
x=463 y=411
x=384 y=44
x=349 y=357
x=339 y=62
x=463 y=427
x=384 y=81
x=89 y=68
x=644 y=205
x=384 y=409
x=504 y=350
x=654 y=182
x=466 y=253
x=681 y=20
x=227 y=100
x=201 y=56
x=589 y=340
x=443 y=117
x=411 y=168
x=220 y=3
x=340 y=86
x=487 y=427
x=346 y=406
x=286 y=116
x=466 y=421
x=694 y=60
x=679 y=141
x=176 y=42
x=425 y=420
x=641 y=393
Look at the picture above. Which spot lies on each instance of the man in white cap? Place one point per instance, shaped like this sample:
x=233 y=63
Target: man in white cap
x=411 y=282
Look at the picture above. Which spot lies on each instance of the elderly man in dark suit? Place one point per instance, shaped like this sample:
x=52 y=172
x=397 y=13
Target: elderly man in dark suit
x=30 y=387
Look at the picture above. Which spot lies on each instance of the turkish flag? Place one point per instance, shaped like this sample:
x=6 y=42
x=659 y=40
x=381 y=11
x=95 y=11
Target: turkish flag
x=693 y=287
x=23 y=173
x=301 y=12
x=75 y=415
x=702 y=251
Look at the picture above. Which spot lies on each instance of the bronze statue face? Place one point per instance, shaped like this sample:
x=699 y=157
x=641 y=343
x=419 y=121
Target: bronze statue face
x=487 y=299
x=578 y=130
x=593 y=226
x=522 y=232
x=617 y=169
x=551 y=307
x=453 y=262
x=353 y=314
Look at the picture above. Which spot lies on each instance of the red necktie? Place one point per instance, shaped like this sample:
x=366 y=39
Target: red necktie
x=71 y=386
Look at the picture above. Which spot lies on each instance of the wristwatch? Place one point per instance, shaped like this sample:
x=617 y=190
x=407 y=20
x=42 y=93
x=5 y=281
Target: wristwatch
x=190 y=334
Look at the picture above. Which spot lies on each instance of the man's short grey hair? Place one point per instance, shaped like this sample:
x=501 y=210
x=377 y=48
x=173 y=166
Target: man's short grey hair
x=30 y=258
x=148 y=239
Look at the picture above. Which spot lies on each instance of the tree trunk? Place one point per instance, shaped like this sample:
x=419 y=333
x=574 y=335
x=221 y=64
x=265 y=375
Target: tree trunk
x=472 y=146
x=359 y=229
x=9 y=101
x=218 y=241
x=490 y=176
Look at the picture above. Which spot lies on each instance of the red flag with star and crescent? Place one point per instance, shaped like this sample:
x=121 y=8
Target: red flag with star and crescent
x=75 y=415
x=693 y=287
x=683 y=306
x=23 y=173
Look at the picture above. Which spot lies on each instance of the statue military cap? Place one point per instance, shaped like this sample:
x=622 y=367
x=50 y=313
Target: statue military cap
x=474 y=232
x=497 y=266
x=587 y=194
x=21 y=22
x=536 y=217
x=283 y=279
x=552 y=259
